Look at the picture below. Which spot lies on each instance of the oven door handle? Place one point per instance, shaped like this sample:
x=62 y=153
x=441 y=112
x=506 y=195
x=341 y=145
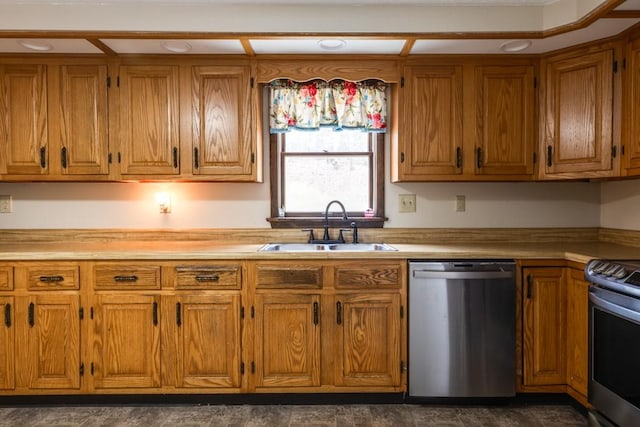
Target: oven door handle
x=614 y=308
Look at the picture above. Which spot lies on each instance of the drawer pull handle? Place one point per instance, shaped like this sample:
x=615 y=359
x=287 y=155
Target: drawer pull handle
x=125 y=278
x=51 y=279
x=178 y=314
x=208 y=278
x=339 y=313
x=7 y=315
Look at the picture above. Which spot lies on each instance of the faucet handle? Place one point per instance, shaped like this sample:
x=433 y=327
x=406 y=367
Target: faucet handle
x=312 y=237
x=341 y=236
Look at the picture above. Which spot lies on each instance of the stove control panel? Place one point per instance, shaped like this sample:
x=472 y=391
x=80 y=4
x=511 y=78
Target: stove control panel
x=621 y=275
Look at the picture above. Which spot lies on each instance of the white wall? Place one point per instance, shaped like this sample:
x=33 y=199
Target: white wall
x=219 y=205
x=620 y=204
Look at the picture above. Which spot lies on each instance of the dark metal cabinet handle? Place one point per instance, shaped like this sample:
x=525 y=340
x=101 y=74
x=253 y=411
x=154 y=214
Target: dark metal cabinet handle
x=401 y=157
x=315 y=313
x=458 y=157
x=209 y=278
x=196 y=158
x=178 y=314
x=43 y=157
x=529 y=287
x=339 y=313
x=63 y=157
x=126 y=278
x=175 y=157
x=479 y=157
x=51 y=279
x=155 y=314
x=7 y=315
x=549 y=156
x=31 y=315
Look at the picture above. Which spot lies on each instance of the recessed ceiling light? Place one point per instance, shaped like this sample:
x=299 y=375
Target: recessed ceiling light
x=332 y=44
x=39 y=45
x=177 y=46
x=515 y=45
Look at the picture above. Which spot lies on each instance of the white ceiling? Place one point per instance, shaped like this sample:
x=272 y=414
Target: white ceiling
x=367 y=26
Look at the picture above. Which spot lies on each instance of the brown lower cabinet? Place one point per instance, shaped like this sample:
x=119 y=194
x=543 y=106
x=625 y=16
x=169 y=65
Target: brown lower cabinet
x=554 y=328
x=228 y=326
x=210 y=326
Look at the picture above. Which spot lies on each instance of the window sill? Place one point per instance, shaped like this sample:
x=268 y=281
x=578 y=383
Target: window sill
x=318 y=222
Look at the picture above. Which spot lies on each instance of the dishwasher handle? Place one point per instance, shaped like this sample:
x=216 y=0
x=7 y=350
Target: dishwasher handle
x=465 y=275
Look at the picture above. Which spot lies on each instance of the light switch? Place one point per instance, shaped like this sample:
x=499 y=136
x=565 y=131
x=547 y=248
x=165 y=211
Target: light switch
x=5 y=204
x=407 y=203
x=461 y=203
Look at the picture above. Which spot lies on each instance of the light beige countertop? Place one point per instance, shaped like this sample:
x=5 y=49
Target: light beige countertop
x=208 y=250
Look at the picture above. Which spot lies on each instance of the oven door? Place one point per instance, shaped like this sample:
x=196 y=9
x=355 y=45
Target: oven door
x=614 y=363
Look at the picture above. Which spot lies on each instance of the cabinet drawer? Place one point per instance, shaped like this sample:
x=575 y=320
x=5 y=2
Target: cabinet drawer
x=208 y=277
x=383 y=276
x=117 y=276
x=290 y=275
x=48 y=277
x=6 y=277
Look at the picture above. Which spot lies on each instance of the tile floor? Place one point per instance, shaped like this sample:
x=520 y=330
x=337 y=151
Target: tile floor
x=292 y=415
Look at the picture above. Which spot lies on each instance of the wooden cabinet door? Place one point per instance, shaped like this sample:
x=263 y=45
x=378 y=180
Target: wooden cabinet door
x=430 y=139
x=84 y=148
x=287 y=340
x=208 y=340
x=631 y=145
x=504 y=114
x=7 y=344
x=577 y=331
x=578 y=115
x=544 y=326
x=222 y=123
x=127 y=341
x=149 y=120
x=53 y=341
x=368 y=340
x=23 y=120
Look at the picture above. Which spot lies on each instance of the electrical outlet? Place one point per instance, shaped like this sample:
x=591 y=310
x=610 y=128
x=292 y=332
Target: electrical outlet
x=407 y=203
x=5 y=204
x=461 y=204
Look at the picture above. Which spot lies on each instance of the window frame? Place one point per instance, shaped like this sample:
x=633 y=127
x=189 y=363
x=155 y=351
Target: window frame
x=316 y=219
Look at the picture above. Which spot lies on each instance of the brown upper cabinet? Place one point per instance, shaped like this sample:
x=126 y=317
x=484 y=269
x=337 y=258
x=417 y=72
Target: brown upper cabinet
x=578 y=138
x=223 y=142
x=504 y=114
x=430 y=133
x=630 y=149
x=92 y=119
x=149 y=134
x=53 y=120
x=24 y=139
x=185 y=120
x=471 y=120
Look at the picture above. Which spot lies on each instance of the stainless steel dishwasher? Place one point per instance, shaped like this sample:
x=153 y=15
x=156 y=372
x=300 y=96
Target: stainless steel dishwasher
x=462 y=328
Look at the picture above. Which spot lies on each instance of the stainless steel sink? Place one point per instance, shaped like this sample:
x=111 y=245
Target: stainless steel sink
x=335 y=247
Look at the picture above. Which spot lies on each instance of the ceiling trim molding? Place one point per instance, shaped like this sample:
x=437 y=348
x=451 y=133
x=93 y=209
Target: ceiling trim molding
x=604 y=10
x=103 y=47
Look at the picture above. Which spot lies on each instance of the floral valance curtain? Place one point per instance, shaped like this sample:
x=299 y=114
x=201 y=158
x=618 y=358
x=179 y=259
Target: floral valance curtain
x=338 y=103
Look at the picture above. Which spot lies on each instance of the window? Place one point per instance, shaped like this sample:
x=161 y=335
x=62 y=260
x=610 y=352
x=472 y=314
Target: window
x=327 y=144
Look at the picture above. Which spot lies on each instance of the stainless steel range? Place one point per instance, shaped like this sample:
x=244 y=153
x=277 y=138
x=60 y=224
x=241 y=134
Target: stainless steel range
x=614 y=342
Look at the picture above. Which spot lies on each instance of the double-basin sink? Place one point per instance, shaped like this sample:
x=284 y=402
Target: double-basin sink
x=335 y=247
